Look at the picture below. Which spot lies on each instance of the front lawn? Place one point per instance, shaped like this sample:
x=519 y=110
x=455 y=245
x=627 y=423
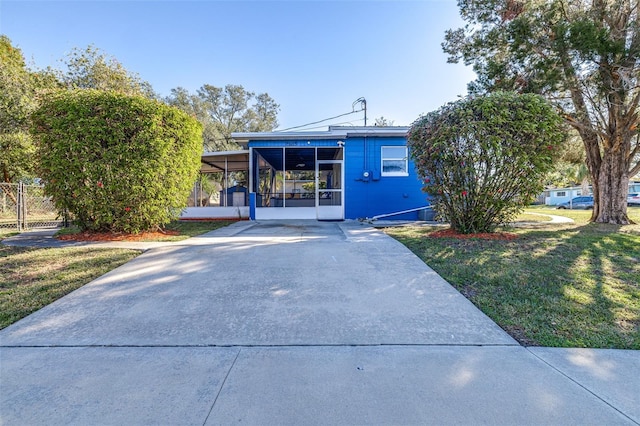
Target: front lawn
x=579 y=216
x=574 y=285
x=192 y=228
x=32 y=278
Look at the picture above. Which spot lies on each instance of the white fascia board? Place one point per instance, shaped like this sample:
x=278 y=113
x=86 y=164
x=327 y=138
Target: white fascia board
x=372 y=130
x=224 y=153
x=265 y=136
x=334 y=132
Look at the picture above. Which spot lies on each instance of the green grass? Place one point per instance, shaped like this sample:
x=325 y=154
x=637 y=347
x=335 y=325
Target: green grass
x=574 y=285
x=190 y=228
x=579 y=216
x=32 y=278
x=7 y=232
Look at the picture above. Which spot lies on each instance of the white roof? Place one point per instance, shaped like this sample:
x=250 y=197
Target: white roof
x=334 y=132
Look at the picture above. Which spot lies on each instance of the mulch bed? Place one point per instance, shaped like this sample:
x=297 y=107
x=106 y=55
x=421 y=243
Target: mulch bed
x=109 y=236
x=450 y=233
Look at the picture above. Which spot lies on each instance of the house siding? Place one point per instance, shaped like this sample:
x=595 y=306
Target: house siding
x=377 y=194
x=364 y=196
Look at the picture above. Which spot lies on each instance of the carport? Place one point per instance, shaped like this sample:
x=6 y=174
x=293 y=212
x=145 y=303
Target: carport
x=226 y=195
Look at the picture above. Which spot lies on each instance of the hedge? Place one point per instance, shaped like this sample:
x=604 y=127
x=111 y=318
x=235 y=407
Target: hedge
x=117 y=163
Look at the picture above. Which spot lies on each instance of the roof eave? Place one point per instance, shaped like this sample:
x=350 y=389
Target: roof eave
x=334 y=132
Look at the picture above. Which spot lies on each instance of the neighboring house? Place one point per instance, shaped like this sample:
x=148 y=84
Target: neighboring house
x=555 y=196
x=341 y=173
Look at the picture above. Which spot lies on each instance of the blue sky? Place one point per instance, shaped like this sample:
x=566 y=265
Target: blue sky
x=313 y=58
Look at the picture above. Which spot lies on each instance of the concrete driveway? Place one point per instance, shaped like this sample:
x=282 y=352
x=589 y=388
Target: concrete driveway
x=297 y=322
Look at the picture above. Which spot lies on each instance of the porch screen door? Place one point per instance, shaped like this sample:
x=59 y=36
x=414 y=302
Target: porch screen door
x=329 y=190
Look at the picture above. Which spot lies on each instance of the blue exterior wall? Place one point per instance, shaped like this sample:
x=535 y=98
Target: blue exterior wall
x=366 y=197
x=377 y=194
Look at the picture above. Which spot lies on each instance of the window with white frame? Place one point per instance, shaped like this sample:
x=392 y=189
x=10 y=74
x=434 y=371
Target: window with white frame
x=394 y=161
x=561 y=194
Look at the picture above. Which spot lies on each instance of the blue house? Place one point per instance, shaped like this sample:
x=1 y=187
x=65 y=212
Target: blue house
x=341 y=173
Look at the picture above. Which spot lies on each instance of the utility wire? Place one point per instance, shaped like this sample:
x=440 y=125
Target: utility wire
x=320 y=121
x=336 y=124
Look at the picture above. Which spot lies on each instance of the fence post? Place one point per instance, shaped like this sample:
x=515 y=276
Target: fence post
x=20 y=206
x=25 y=207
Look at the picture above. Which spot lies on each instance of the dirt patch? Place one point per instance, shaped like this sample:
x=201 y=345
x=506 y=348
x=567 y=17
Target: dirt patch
x=519 y=334
x=450 y=233
x=109 y=236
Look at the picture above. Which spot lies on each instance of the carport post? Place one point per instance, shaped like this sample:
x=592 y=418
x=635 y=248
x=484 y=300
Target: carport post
x=226 y=181
x=252 y=206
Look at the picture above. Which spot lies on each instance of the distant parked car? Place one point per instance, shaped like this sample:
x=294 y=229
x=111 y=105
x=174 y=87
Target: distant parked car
x=633 y=199
x=583 y=203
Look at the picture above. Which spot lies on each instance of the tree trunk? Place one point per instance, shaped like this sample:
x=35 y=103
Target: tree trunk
x=610 y=189
x=7 y=190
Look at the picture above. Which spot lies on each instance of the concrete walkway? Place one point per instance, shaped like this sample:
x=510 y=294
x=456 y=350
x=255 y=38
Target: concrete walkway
x=293 y=323
x=554 y=219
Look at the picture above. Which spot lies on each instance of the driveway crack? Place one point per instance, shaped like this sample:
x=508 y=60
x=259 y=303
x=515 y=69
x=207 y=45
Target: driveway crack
x=583 y=386
x=221 y=386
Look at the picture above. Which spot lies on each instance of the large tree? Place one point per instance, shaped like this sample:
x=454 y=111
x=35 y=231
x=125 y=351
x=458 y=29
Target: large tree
x=223 y=110
x=91 y=68
x=584 y=56
x=18 y=89
x=570 y=167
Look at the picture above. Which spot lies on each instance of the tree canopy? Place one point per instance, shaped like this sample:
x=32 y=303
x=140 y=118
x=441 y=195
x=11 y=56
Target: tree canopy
x=570 y=168
x=382 y=121
x=220 y=110
x=91 y=68
x=223 y=110
x=18 y=89
x=584 y=56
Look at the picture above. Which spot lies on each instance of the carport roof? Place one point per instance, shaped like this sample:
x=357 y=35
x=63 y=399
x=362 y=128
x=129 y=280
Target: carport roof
x=231 y=161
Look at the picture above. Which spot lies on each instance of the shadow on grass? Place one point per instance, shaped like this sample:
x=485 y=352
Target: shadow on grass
x=597 y=295
x=568 y=287
x=31 y=278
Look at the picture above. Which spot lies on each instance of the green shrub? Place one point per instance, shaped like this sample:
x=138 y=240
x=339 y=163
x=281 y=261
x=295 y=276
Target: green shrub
x=115 y=162
x=484 y=158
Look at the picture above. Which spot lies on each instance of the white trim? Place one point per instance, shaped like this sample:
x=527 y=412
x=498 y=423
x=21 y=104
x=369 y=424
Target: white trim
x=405 y=159
x=330 y=212
x=387 y=131
x=224 y=153
x=334 y=132
x=215 y=213
x=243 y=137
x=268 y=213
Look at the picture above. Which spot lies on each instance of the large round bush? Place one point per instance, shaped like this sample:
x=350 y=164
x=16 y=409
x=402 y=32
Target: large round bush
x=115 y=162
x=484 y=158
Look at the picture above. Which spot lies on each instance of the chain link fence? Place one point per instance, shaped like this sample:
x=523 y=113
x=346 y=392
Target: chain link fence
x=25 y=207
